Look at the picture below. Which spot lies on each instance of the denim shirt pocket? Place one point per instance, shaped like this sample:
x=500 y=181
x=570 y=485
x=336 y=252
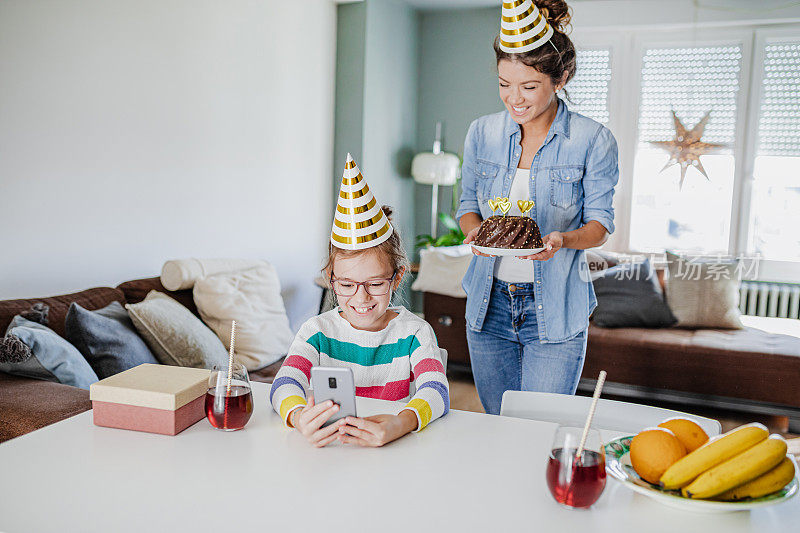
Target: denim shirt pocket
x=487 y=172
x=564 y=183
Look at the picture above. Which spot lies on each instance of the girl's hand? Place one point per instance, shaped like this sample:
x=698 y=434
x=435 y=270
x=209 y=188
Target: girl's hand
x=471 y=237
x=552 y=243
x=377 y=430
x=310 y=418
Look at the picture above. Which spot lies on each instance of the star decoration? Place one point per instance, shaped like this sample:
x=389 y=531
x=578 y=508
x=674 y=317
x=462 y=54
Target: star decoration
x=686 y=148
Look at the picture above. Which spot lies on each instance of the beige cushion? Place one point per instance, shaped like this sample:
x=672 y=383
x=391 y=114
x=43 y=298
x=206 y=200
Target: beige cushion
x=442 y=269
x=703 y=293
x=174 y=334
x=253 y=298
x=179 y=274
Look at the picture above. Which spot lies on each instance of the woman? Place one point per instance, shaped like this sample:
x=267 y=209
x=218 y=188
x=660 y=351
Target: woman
x=528 y=317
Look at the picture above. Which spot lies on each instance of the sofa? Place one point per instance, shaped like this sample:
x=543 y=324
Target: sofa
x=750 y=370
x=29 y=404
x=755 y=369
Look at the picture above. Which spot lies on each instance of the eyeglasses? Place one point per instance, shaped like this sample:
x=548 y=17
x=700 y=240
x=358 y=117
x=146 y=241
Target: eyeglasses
x=374 y=287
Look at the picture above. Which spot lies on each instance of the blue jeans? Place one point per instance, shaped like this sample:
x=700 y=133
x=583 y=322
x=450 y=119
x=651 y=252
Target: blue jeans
x=507 y=355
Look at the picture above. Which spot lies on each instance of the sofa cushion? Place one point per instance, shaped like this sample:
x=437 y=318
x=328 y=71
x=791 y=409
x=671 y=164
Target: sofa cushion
x=703 y=292
x=90 y=299
x=175 y=335
x=52 y=357
x=107 y=339
x=599 y=260
x=137 y=290
x=253 y=298
x=629 y=295
x=29 y=404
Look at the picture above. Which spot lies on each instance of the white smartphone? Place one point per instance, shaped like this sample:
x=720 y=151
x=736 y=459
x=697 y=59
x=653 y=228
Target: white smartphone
x=337 y=384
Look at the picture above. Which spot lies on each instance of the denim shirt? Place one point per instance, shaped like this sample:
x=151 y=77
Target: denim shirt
x=572 y=181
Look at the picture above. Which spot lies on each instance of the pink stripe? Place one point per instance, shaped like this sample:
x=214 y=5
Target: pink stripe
x=428 y=365
x=300 y=363
x=394 y=390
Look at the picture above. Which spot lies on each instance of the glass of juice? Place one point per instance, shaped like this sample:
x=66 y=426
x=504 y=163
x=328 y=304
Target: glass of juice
x=576 y=482
x=229 y=400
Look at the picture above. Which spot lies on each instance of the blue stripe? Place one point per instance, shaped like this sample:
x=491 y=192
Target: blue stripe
x=441 y=389
x=283 y=380
x=363 y=355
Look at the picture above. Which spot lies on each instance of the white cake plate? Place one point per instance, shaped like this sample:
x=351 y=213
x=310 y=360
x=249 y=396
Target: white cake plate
x=507 y=251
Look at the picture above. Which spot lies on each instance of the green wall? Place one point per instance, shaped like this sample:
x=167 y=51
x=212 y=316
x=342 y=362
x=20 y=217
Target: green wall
x=390 y=108
x=399 y=71
x=376 y=105
x=351 y=24
x=457 y=84
x=376 y=101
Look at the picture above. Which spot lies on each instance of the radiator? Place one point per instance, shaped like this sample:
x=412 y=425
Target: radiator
x=758 y=298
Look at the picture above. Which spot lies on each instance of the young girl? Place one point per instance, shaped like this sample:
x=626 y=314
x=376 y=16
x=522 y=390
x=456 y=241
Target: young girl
x=391 y=351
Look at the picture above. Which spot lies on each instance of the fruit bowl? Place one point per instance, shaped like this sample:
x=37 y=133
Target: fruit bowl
x=618 y=465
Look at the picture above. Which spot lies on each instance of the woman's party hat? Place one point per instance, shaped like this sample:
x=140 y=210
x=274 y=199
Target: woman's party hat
x=522 y=27
x=359 y=222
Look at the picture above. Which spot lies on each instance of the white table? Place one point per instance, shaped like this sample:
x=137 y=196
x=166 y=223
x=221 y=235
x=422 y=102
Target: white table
x=465 y=472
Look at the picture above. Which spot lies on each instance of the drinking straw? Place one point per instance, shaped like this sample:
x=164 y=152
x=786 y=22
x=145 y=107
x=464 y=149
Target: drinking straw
x=230 y=356
x=600 y=380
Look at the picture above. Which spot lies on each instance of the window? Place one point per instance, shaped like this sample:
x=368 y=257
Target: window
x=748 y=77
x=694 y=215
x=588 y=90
x=775 y=194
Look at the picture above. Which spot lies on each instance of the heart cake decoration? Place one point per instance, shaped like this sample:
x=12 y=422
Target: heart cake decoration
x=525 y=205
x=504 y=204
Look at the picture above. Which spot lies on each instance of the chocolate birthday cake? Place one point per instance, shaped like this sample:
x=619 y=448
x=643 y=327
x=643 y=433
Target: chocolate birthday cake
x=509 y=232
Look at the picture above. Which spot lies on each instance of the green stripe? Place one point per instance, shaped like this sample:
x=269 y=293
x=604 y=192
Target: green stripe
x=364 y=356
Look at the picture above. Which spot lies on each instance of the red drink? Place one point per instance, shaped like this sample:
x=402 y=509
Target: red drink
x=230 y=411
x=576 y=484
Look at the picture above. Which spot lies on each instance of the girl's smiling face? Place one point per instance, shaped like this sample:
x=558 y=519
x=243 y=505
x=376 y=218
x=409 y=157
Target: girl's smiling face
x=363 y=310
x=526 y=92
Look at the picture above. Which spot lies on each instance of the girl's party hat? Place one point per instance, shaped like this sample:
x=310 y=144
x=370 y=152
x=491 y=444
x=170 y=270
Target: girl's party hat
x=359 y=222
x=522 y=27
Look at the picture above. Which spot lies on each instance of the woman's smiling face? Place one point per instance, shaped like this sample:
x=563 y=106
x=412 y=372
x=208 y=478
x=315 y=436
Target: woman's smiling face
x=526 y=92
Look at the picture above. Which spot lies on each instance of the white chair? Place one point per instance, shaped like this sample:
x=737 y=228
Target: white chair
x=610 y=414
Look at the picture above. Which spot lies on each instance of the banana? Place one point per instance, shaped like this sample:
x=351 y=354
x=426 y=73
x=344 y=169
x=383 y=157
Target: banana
x=715 y=451
x=772 y=481
x=746 y=466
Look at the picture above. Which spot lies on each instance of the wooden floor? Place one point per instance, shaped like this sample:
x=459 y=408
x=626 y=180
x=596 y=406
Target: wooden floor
x=464 y=396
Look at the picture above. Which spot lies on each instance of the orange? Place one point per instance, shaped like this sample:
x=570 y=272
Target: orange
x=653 y=451
x=688 y=432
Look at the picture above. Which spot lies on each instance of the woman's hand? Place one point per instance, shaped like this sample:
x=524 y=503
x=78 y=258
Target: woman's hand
x=471 y=237
x=310 y=418
x=377 y=430
x=552 y=243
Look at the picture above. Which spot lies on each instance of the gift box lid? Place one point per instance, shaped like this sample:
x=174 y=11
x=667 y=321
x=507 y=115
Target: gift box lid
x=156 y=386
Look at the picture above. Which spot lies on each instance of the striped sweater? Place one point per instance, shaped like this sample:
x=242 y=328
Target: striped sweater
x=401 y=362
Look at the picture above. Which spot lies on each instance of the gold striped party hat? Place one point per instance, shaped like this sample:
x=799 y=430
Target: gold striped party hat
x=359 y=222
x=522 y=27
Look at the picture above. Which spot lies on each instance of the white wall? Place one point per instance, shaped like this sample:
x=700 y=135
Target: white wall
x=135 y=132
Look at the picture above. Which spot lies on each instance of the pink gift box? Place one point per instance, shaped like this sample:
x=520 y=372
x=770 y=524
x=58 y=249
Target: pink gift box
x=154 y=398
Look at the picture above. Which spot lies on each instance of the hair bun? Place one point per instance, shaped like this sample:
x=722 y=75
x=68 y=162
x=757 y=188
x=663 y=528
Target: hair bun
x=557 y=13
x=387 y=211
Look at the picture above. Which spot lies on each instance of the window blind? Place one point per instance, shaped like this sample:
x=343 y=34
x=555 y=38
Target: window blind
x=692 y=81
x=779 y=109
x=588 y=90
